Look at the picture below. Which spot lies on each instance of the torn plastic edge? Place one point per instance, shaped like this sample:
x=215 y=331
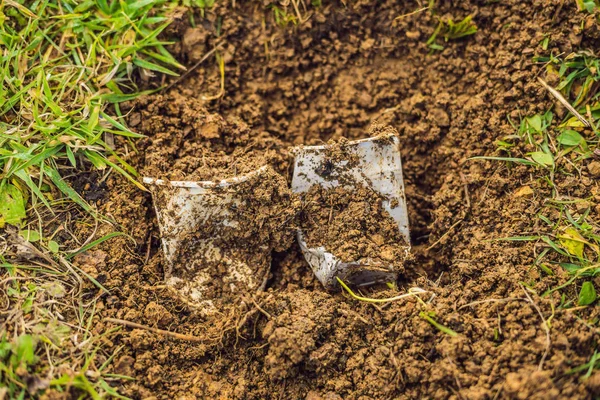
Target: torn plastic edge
x=204 y=184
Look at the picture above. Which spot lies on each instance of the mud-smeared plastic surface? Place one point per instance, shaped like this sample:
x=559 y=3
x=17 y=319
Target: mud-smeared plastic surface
x=209 y=253
x=372 y=163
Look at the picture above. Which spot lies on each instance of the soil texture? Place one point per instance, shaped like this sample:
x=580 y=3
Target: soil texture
x=353 y=225
x=343 y=67
x=187 y=142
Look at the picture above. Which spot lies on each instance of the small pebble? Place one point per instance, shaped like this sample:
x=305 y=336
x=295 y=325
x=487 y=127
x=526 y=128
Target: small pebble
x=594 y=168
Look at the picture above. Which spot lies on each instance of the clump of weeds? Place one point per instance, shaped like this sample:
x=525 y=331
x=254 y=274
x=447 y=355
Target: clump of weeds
x=292 y=12
x=450 y=30
x=578 y=75
x=566 y=237
x=587 y=5
x=282 y=17
x=64 y=65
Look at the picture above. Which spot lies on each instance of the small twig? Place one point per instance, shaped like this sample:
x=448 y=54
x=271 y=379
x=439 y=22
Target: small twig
x=572 y=309
x=174 y=335
x=330 y=212
x=193 y=67
x=559 y=8
x=498 y=393
x=455 y=369
x=357 y=315
x=88 y=240
x=242 y=321
x=262 y=346
x=157 y=287
x=505 y=300
x=148 y=248
x=14 y=278
x=466 y=187
x=446 y=234
x=564 y=102
x=411 y=13
x=259 y=308
x=544 y=325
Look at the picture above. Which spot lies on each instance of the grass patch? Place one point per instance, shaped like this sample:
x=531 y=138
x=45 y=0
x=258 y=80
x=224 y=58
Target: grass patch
x=450 y=30
x=36 y=336
x=549 y=143
x=588 y=367
x=568 y=236
x=65 y=66
x=588 y=5
x=296 y=12
x=282 y=17
x=578 y=75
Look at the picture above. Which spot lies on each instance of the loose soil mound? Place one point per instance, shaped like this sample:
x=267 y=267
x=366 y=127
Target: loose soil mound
x=187 y=142
x=332 y=76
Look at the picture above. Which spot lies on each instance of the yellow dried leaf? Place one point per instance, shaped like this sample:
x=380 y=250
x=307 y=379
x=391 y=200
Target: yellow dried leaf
x=525 y=191
x=572 y=242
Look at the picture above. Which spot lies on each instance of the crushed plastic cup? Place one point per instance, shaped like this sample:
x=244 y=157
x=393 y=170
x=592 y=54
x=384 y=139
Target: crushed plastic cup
x=376 y=164
x=196 y=221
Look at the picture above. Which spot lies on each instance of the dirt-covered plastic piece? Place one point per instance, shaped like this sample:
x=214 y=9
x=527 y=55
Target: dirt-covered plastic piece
x=218 y=236
x=372 y=168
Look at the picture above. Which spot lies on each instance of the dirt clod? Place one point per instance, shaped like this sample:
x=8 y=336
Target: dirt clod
x=187 y=142
x=594 y=168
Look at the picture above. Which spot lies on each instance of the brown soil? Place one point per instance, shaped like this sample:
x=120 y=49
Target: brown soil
x=353 y=225
x=186 y=142
x=348 y=65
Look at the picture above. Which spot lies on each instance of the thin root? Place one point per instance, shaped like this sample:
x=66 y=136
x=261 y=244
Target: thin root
x=564 y=102
x=174 y=335
x=544 y=325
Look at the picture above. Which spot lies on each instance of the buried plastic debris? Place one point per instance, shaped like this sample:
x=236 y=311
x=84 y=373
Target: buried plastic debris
x=218 y=236
x=369 y=165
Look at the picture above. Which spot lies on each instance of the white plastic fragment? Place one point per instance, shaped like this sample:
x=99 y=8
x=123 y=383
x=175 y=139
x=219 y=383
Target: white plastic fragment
x=183 y=209
x=377 y=165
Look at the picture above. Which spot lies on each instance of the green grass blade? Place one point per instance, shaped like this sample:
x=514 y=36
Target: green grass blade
x=523 y=161
x=67 y=190
x=21 y=174
x=97 y=242
x=140 y=62
x=124 y=130
x=517 y=238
